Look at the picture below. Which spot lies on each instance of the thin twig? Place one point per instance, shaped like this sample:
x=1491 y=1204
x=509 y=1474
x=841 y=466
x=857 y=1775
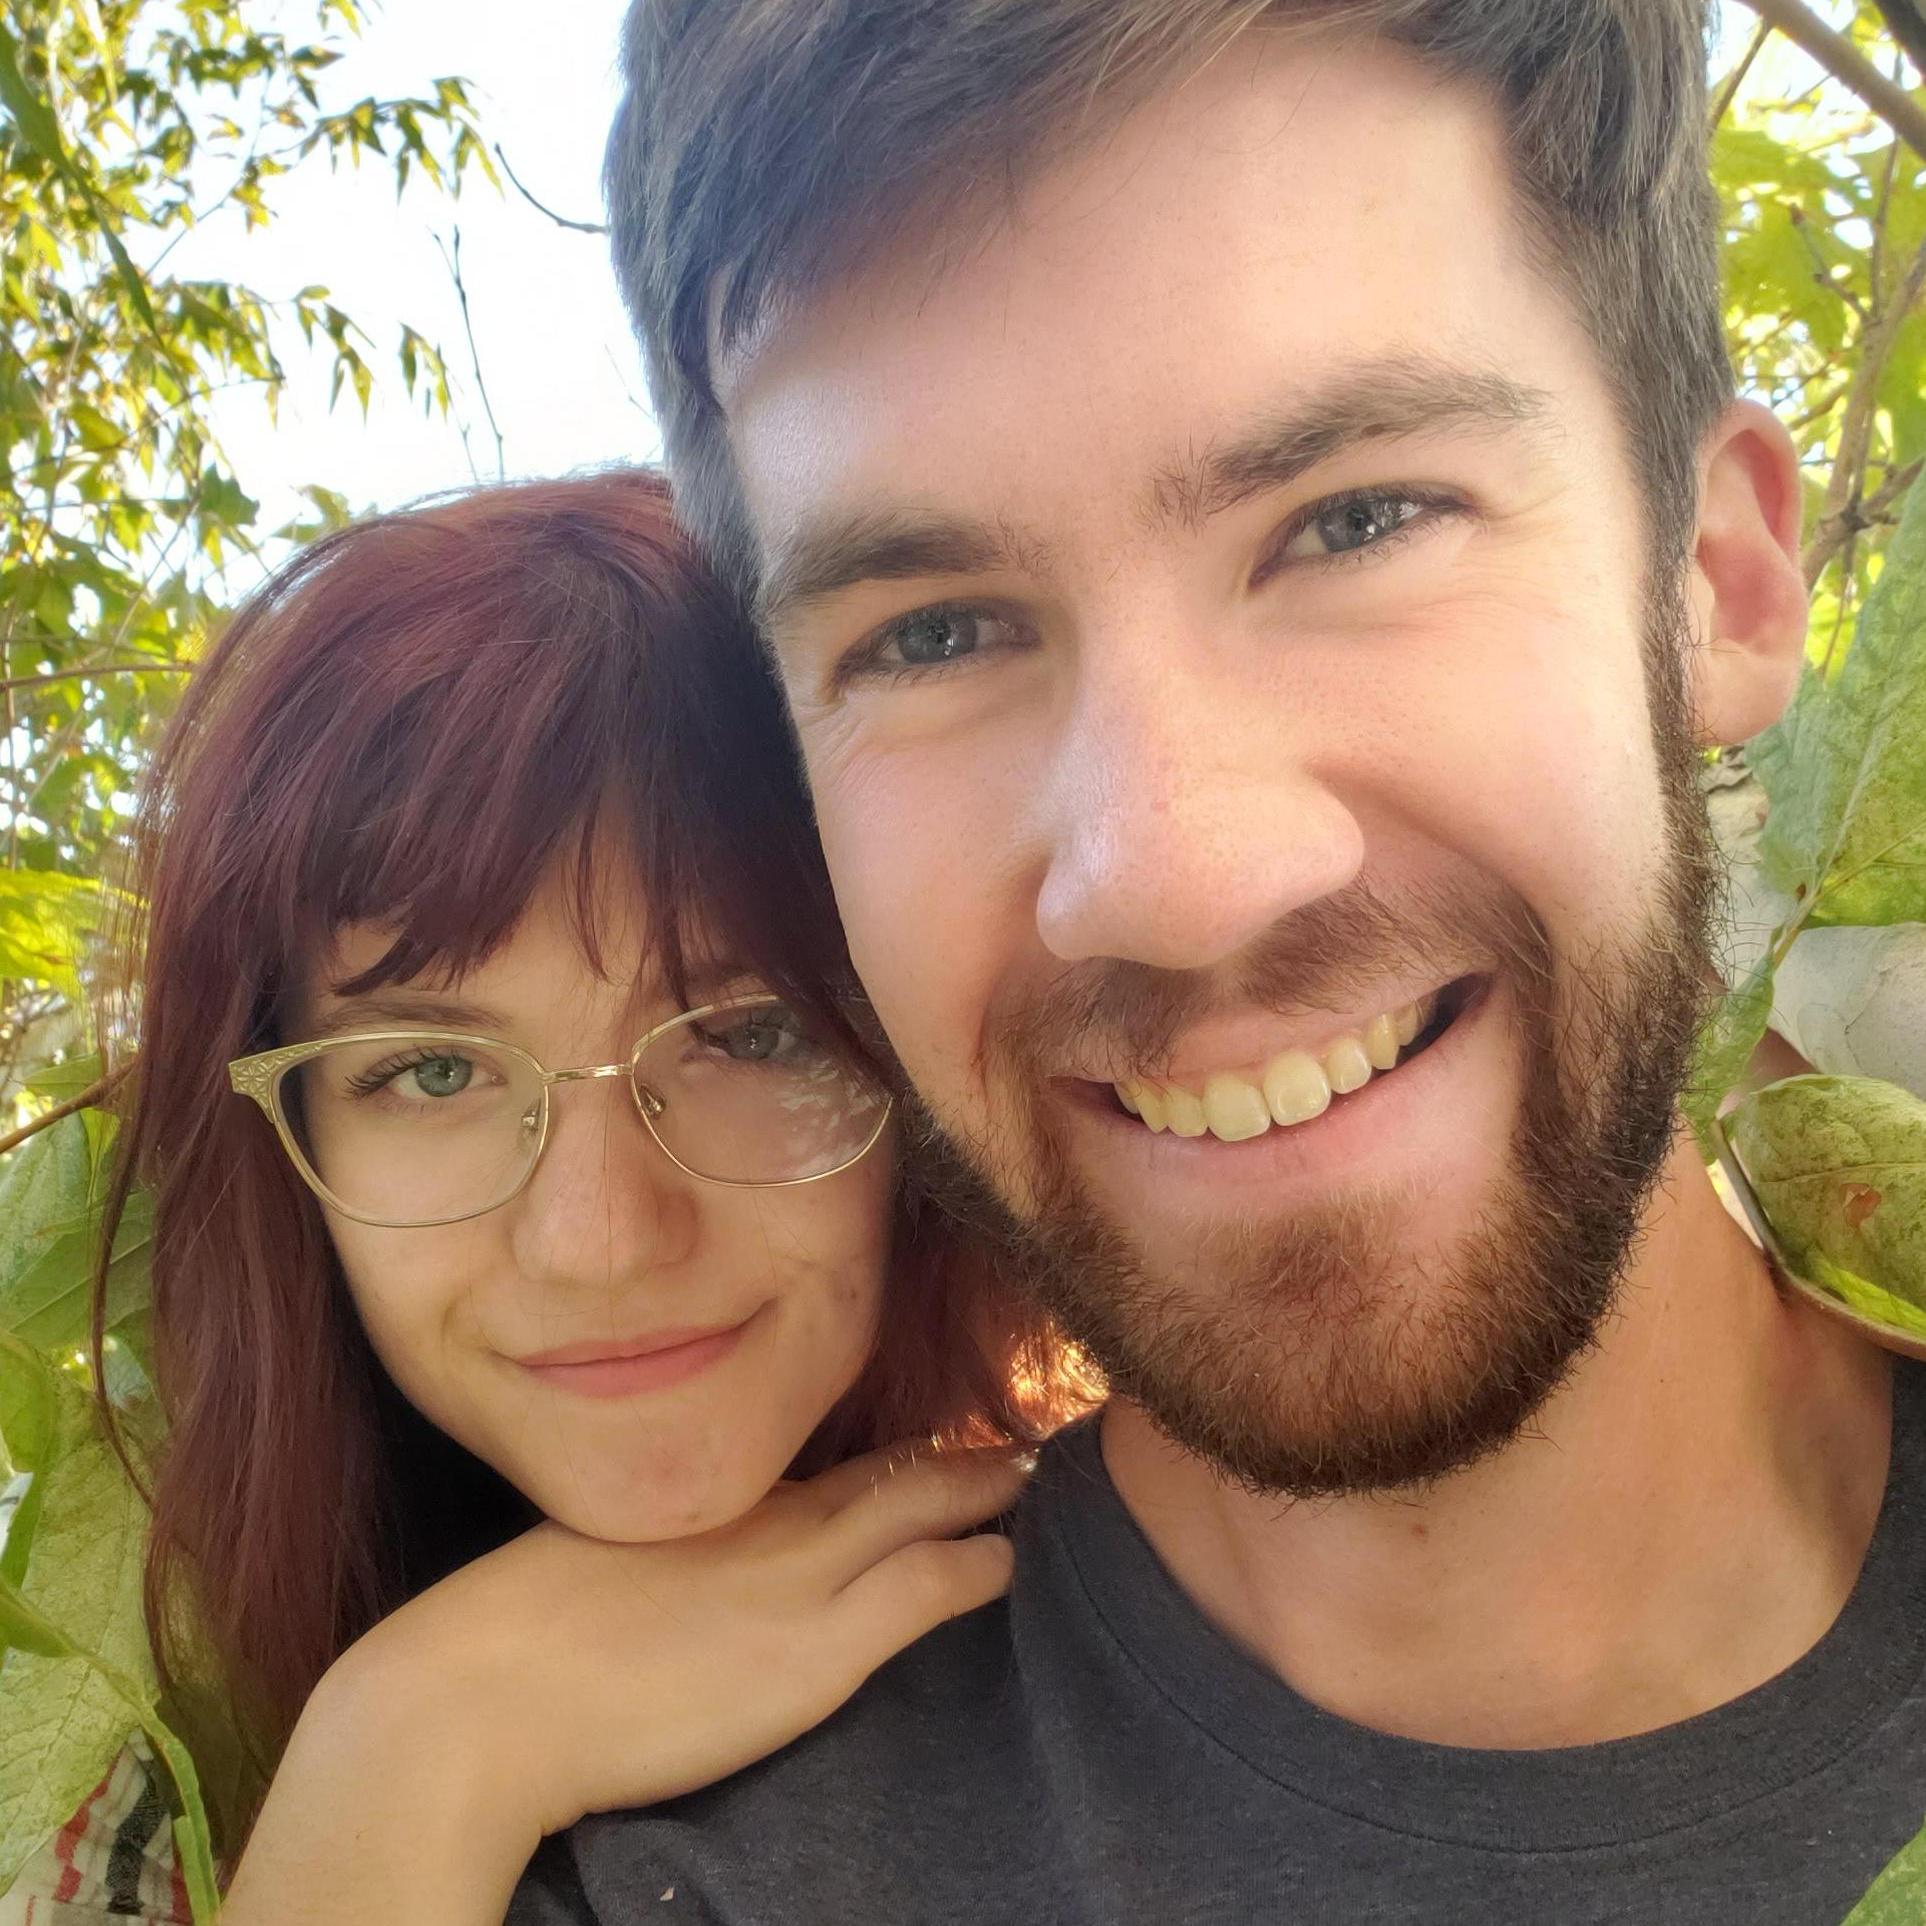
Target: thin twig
x=1818 y=410
x=1729 y=87
x=94 y=1093
x=13 y=682
x=1862 y=402
x=560 y=220
x=453 y=258
x=1848 y=65
x=1907 y=24
x=1833 y=532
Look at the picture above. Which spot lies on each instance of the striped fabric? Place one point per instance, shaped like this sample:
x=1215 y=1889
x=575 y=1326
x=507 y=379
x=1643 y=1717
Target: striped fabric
x=113 y=1860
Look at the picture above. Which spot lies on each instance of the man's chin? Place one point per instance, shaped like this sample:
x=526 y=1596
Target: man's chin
x=1340 y=1352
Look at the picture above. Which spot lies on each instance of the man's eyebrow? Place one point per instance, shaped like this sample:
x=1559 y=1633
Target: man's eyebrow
x=407 y=1011
x=818 y=560
x=1379 y=401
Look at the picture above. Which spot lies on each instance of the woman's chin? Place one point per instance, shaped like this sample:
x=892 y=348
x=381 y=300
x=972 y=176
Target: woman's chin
x=623 y=1507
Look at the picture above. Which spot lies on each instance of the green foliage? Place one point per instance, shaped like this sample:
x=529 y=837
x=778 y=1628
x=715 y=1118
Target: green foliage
x=1846 y=768
x=123 y=125
x=76 y=1675
x=1825 y=218
x=1840 y=1165
x=1844 y=842
x=1898 y=1896
x=1725 y=1047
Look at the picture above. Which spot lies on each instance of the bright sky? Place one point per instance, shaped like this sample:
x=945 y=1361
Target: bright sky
x=555 y=349
x=554 y=345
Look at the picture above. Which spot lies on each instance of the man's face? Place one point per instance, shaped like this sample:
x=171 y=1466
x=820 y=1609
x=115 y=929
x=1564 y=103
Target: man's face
x=1214 y=608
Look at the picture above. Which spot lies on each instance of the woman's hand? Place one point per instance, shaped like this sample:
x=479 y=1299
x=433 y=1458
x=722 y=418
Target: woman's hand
x=561 y=1675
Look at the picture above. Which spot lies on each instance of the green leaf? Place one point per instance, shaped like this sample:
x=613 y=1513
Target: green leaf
x=45 y=919
x=1839 y=1166
x=41 y=132
x=58 y=1082
x=1846 y=836
x=28 y=1406
x=51 y=1189
x=1725 y=1046
x=77 y=1643
x=1898 y=1896
x=44 y=1185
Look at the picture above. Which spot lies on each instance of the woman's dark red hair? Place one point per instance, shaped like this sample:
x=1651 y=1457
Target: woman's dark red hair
x=413 y=723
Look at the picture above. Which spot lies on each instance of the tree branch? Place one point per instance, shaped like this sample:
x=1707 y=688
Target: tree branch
x=453 y=257
x=1848 y=65
x=1862 y=401
x=13 y=682
x=1907 y=24
x=560 y=220
x=88 y=1098
x=1729 y=87
x=1834 y=531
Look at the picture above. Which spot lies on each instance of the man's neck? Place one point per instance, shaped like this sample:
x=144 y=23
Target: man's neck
x=1683 y=1520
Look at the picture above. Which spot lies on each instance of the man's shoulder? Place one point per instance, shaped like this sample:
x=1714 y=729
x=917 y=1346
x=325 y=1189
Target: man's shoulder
x=901 y=1784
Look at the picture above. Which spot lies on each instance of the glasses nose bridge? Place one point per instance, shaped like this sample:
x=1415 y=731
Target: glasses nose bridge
x=587 y=1072
x=646 y=1100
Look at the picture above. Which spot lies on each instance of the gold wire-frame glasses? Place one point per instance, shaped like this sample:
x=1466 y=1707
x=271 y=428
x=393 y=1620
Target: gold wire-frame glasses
x=261 y=1078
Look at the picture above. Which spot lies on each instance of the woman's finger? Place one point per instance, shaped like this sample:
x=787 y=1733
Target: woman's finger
x=916 y=1589
x=934 y=1498
x=829 y=1491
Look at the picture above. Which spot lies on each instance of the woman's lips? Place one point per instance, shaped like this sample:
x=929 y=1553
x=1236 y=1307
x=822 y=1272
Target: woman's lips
x=616 y=1370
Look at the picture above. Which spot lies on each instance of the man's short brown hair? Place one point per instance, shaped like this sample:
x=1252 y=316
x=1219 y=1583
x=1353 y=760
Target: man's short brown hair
x=765 y=145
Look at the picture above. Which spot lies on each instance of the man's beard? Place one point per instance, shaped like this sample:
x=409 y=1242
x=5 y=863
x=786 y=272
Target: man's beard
x=1319 y=1355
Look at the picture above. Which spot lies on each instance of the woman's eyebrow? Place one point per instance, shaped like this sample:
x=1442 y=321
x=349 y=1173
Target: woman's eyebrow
x=402 y=1007
x=713 y=977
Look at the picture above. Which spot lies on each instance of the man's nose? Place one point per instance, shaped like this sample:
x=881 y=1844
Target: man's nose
x=605 y=1207
x=1183 y=815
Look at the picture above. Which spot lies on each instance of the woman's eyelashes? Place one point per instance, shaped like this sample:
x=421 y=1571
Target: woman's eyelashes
x=1336 y=532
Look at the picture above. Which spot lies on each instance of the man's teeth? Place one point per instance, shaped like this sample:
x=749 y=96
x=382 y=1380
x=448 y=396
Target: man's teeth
x=1292 y=1088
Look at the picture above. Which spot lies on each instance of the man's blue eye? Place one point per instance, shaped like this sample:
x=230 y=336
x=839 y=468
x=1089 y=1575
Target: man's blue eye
x=936 y=635
x=1344 y=526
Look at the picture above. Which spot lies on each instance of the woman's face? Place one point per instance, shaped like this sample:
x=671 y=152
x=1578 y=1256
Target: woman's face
x=767 y=1300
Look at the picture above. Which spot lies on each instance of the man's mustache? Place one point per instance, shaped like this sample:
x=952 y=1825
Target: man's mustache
x=1324 y=956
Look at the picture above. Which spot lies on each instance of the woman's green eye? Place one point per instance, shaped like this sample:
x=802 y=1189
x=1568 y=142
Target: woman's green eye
x=442 y=1076
x=758 y=1038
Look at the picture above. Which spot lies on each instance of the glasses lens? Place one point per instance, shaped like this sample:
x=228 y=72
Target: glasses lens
x=751 y=1094
x=415 y=1130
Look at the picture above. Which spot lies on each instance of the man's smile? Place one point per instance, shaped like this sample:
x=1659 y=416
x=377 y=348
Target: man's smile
x=1411 y=1121
x=1294 y=1084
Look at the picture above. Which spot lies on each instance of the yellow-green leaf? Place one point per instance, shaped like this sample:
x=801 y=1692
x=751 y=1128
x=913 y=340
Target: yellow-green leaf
x=1839 y=1166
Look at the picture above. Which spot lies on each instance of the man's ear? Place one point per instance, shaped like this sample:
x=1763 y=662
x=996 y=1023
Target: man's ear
x=1747 y=592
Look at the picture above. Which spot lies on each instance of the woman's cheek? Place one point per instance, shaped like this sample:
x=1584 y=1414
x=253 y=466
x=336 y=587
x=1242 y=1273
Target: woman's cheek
x=410 y=1291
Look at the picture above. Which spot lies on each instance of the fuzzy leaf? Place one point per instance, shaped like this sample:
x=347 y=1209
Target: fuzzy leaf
x=1898 y=1896
x=75 y=1635
x=1847 y=831
x=1839 y=1164
x=1725 y=1047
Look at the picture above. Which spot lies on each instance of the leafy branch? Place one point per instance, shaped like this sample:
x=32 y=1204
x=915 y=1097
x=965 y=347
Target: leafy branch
x=1846 y=64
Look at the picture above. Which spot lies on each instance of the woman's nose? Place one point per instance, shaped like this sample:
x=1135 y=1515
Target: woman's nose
x=605 y=1206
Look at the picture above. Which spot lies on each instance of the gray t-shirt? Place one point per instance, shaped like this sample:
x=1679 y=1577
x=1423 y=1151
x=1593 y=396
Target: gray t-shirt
x=1093 y=1751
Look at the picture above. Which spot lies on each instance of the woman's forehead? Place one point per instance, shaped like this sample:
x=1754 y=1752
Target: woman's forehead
x=542 y=976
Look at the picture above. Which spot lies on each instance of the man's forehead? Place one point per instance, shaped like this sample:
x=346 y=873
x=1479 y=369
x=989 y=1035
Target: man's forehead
x=1260 y=231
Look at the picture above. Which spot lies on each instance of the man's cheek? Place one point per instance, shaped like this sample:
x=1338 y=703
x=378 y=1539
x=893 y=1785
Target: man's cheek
x=913 y=889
